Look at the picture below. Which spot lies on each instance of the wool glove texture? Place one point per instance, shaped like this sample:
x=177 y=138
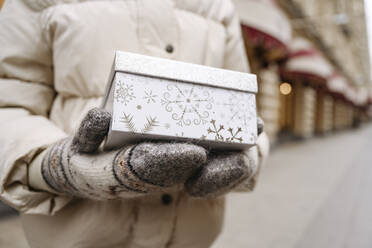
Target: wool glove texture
x=225 y=171
x=77 y=166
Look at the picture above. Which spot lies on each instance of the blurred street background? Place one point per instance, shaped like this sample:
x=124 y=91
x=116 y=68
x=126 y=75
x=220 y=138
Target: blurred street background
x=313 y=65
x=310 y=195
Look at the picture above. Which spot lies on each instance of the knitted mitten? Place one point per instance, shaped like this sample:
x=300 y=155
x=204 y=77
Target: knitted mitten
x=74 y=166
x=225 y=171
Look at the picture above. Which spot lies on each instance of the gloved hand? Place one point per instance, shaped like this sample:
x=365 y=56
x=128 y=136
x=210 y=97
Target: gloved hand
x=224 y=171
x=75 y=166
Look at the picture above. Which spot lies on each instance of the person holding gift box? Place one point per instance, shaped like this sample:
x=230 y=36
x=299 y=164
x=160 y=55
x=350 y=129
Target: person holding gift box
x=55 y=58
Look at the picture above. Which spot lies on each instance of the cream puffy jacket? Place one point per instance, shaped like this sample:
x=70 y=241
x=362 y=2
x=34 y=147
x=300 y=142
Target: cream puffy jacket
x=55 y=57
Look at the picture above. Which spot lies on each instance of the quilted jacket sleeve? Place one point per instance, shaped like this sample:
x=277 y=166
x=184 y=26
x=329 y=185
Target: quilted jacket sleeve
x=26 y=96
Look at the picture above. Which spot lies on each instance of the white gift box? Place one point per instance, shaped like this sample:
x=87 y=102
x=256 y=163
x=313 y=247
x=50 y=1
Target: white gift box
x=159 y=99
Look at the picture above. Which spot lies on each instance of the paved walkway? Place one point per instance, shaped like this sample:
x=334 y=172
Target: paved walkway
x=316 y=194
x=313 y=194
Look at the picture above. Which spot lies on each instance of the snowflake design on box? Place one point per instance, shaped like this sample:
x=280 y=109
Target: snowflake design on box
x=216 y=131
x=239 y=105
x=219 y=132
x=234 y=135
x=124 y=93
x=189 y=104
x=149 y=97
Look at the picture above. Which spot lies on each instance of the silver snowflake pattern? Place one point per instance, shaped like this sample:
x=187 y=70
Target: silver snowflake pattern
x=124 y=93
x=221 y=134
x=188 y=105
x=216 y=131
x=150 y=97
x=234 y=135
x=239 y=105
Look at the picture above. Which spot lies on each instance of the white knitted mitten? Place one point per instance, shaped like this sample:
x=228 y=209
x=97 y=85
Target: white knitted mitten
x=75 y=167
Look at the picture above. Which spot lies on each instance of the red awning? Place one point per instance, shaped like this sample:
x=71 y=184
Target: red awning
x=306 y=63
x=337 y=85
x=264 y=25
x=362 y=97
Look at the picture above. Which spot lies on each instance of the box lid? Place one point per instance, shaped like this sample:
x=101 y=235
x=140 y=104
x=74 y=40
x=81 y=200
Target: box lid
x=186 y=72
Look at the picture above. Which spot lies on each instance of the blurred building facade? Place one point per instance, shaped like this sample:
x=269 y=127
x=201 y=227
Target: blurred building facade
x=312 y=62
x=341 y=27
